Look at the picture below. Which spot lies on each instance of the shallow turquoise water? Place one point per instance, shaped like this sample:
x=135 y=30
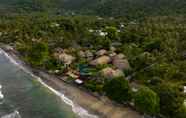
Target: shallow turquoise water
x=27 y=96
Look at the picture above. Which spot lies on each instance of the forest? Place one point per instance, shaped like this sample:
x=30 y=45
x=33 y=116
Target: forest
x=131 y=9
x=132 y=51
x=155 y=49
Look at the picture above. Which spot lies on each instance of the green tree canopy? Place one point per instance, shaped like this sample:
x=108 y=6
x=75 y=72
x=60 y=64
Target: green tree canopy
x=118 y=89
x=147 y=101
x=171 y=100
x=38 y=53
x=112 y=33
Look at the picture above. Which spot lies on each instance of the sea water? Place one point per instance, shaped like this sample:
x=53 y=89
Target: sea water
x=23 y=97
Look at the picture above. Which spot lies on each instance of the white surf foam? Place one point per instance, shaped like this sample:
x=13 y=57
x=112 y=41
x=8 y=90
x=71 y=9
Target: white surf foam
x=75 y=108
x=1 y=94
x=83 y=113
x=14 y=114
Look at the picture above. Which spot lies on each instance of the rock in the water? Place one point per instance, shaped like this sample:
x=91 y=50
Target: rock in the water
x=101 y=61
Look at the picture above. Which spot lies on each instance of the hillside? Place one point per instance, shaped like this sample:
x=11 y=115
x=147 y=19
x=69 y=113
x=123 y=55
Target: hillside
x=111 y=8
x=128 y=8
x=30 y=6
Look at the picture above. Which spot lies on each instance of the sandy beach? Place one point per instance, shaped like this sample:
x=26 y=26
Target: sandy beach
x=102 y=107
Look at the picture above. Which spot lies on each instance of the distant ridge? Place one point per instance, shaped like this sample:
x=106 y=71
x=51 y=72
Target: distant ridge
x=110 y=8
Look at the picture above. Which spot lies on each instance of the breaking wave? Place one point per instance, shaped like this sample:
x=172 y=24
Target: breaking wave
x=81 y=112
x=14 y=114
x=1 y=94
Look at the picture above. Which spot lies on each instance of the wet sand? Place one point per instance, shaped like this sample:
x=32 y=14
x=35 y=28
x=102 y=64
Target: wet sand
x=103 y=107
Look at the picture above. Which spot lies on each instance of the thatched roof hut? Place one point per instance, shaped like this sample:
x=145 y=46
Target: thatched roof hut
x=121 y=62
x=111 y=73
x=101 y=61
x=65 y=58
x=101 y=52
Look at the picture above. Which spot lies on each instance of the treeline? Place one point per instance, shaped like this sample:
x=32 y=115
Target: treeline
x=132 y=9
x=31 y=6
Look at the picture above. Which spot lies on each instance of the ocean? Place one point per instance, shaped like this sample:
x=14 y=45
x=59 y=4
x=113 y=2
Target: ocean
x=22 y=96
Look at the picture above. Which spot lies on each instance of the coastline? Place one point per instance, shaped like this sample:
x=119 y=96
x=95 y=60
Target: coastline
x=81 y=99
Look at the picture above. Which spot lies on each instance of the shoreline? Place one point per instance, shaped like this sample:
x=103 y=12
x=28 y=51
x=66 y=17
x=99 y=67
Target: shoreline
x=87 y=103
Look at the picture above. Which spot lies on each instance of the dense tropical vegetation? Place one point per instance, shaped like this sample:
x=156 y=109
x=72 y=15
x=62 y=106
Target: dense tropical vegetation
x=147 y=37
